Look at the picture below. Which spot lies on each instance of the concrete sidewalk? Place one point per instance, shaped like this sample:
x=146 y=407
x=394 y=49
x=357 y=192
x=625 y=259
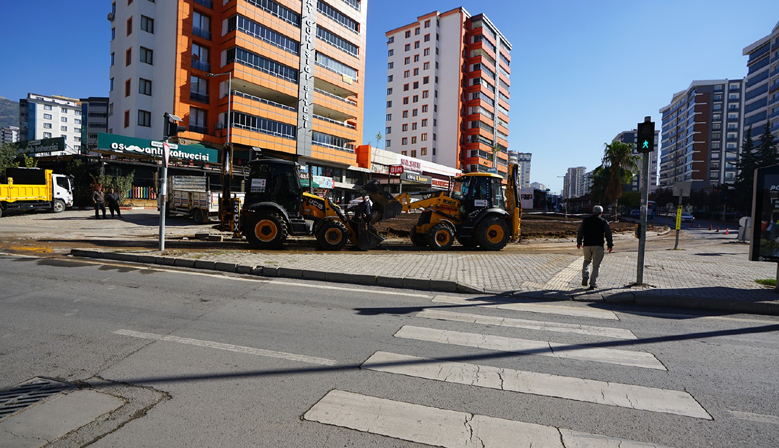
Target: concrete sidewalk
x=711 y=271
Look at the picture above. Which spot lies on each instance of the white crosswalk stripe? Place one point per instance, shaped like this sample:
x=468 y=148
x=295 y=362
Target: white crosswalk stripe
x=447 y=428
x=589 y=330
x=579 y=311
x=592 y=391
x=490 y=342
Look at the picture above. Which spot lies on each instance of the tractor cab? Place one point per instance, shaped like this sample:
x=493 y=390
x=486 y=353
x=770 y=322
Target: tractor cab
x=478 y=192
x=278 y=181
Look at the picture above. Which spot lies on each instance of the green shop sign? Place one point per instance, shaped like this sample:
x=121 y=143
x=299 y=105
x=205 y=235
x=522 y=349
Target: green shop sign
x=45 y=145
x=153 y=148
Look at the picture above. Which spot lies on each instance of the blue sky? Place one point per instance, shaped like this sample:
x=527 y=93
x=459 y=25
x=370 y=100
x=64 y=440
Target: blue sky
x=582 y=70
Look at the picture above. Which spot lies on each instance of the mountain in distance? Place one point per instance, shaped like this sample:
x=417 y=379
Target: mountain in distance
x=9 y=113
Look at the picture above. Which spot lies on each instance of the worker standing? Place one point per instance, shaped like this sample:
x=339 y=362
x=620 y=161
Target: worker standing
x=592 y=232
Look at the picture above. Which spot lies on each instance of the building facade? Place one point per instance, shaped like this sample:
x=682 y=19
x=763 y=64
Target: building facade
x=94 y=115
x=702 y=133
x=448 y=91
x=283 y=77
x=761 y=105
x=9 y=134
x=575 y=183
x=523 y=160
x=53 y=116
x=629 y=137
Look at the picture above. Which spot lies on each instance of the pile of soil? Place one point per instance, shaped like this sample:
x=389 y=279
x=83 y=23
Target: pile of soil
x=532 y=226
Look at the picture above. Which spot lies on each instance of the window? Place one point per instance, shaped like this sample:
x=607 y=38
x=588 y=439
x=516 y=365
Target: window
x=144 y=118
x=424 y=122
x=425 y=94
x=424 y=108
x=46 y=125
x=147 y=56
x=389 y=91
x=129 y=26
x=408 y=47
x=427 y=38
x=404 y=141
x=423 y=137
x=405 y=114
x=127 y=88
x=416 y=84
x=113 y=33
x=413 y=140
x=416 y=98
x=427 y=24
x=390 y=52
x=200 y=58
x=413 y=153
x=406 y=61
x=389 y=78
x=391 y=39
x=406 y=74
x=201 y=25
x=416 y=44
x=405 y=100
x=405 y=127
x=128 y=57
x=423 y=151
x=408 y=34
x=426 y=80
x=147 y=24
x=198 y=89
x=388 y=130
x=416 y=71
x=47 y=135
x=404 y=153
x=389 y=104
x=64 y=128
x=414 y=126
x=63 y=110
x=416 y=32
x=390 y=65
x=47 y=107
x=389 y=117
x=427 y=52
x=414 y=112
x=144 y=86
x=387 y=143
x=416 y=58
x=127 y=118
x=197 y=120
x=47 y=116
x=426 y=66
x=77 y=121
x=405 y=87
x=111 y=85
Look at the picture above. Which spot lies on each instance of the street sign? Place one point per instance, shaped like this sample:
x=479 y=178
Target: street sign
x=396 y=169
x=764 y=245
x=165 y=152
x=678 y=217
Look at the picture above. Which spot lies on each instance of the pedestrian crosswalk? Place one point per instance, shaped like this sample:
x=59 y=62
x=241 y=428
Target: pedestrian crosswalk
x=459 y=428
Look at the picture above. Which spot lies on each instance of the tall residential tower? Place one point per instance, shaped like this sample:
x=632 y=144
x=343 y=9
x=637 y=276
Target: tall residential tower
x=448 y=91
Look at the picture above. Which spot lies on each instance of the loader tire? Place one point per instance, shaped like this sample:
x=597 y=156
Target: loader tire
x=440 y=237
x=492 y=233
x=266 y=230
x=332 y=235
x=417 y=239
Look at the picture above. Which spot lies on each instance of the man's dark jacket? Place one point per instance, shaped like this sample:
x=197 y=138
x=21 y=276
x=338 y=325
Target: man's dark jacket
x=593 y=230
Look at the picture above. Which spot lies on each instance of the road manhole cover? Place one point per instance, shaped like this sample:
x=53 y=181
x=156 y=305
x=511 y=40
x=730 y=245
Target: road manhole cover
x=28 y=393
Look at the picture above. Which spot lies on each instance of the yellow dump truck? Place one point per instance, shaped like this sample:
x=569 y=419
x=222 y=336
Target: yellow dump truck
x=35 y=189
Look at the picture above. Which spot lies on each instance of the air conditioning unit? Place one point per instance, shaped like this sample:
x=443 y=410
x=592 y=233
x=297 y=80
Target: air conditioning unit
x=110 y=17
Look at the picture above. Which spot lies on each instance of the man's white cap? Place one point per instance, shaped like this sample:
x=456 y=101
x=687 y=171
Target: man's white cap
x=597 y=209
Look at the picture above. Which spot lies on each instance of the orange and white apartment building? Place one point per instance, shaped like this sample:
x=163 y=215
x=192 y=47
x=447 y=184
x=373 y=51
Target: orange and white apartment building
x=448 y=91
x=289 y=73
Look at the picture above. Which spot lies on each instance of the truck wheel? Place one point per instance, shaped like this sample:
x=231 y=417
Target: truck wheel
x=492 y=233
x=197 y=215
x=440 y=237
x=266 y=231
x=1 y=211
x=417 y=239
x=59 y=206
x=332 y=235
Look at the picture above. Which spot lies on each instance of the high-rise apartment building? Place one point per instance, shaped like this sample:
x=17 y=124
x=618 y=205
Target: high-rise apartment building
x=285 y=77
x=702 y=134
x=9 y=134
x=523 y=160
x=629 y=137
x=94 y=114
x=53 y=116
x=448 y=91
x=761 y=91
x=575 y=183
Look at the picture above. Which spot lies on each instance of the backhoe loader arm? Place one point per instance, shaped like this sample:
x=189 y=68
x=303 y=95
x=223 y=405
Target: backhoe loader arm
x=513 y=202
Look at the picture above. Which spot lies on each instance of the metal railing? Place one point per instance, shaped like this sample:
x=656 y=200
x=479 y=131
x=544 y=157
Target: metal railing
x=263 y=100
x=339 y=123
x=200 y=65
x=200 y=32
x=199 y=97
x=198 y=129
x=348 y=148
x=346 y=100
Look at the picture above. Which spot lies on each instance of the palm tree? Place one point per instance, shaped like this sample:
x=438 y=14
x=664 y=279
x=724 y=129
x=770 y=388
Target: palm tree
x=619 y=159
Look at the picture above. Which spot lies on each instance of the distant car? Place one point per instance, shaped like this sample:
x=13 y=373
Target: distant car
x=686 y=217
x=635 y=213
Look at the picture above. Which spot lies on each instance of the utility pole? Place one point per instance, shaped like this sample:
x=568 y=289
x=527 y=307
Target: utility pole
x=170 y=128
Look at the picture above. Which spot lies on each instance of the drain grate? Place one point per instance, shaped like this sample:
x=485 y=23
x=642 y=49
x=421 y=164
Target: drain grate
x=28 y=393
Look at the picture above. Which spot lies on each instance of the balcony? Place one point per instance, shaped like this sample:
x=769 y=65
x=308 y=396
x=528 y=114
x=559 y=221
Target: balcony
x=200 y=32
x=199 y=97
x=339 y=123
x=197 y=128
x=263 y=100
x=200 y=65
x=346 y=100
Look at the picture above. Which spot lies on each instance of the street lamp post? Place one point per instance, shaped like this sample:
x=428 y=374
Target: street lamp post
x=229 y=97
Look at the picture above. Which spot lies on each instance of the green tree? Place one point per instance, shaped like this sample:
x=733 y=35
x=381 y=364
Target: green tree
x=619 y=159
x=600 y=180
x=9 y=153
x=121 y=184
x=746 y=164
x=378 y=138
x=766 y=150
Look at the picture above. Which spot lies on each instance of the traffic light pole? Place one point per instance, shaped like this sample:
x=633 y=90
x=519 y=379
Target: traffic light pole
x=645 y=144
x=163 y=194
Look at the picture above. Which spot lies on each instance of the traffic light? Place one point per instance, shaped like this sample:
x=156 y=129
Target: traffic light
x=645 y=137
x=171 y=127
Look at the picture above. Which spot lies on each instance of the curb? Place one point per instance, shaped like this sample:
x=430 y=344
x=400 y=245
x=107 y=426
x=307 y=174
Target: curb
x=640 y=298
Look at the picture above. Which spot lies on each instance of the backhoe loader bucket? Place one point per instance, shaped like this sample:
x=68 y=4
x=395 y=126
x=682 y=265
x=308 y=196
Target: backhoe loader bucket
x=383 y=202
x=368 y=238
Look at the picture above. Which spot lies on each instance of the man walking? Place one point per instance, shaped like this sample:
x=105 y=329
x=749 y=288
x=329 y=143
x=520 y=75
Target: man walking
x=112 y=199
x=98 y=198
x=592 y=231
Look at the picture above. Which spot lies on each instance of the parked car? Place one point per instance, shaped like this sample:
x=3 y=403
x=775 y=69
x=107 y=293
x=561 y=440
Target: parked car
x=635 y=213
x=686 y=217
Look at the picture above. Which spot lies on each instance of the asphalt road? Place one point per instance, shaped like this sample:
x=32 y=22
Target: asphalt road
x=272 y=362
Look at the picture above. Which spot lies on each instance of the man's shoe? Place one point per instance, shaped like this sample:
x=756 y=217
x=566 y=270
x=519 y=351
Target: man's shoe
x=584 y=282
x=592 y=287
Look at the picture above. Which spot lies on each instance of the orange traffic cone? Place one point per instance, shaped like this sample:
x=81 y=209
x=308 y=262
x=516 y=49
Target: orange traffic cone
x=717 y=230
x=727 y=231
x=709 y=226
